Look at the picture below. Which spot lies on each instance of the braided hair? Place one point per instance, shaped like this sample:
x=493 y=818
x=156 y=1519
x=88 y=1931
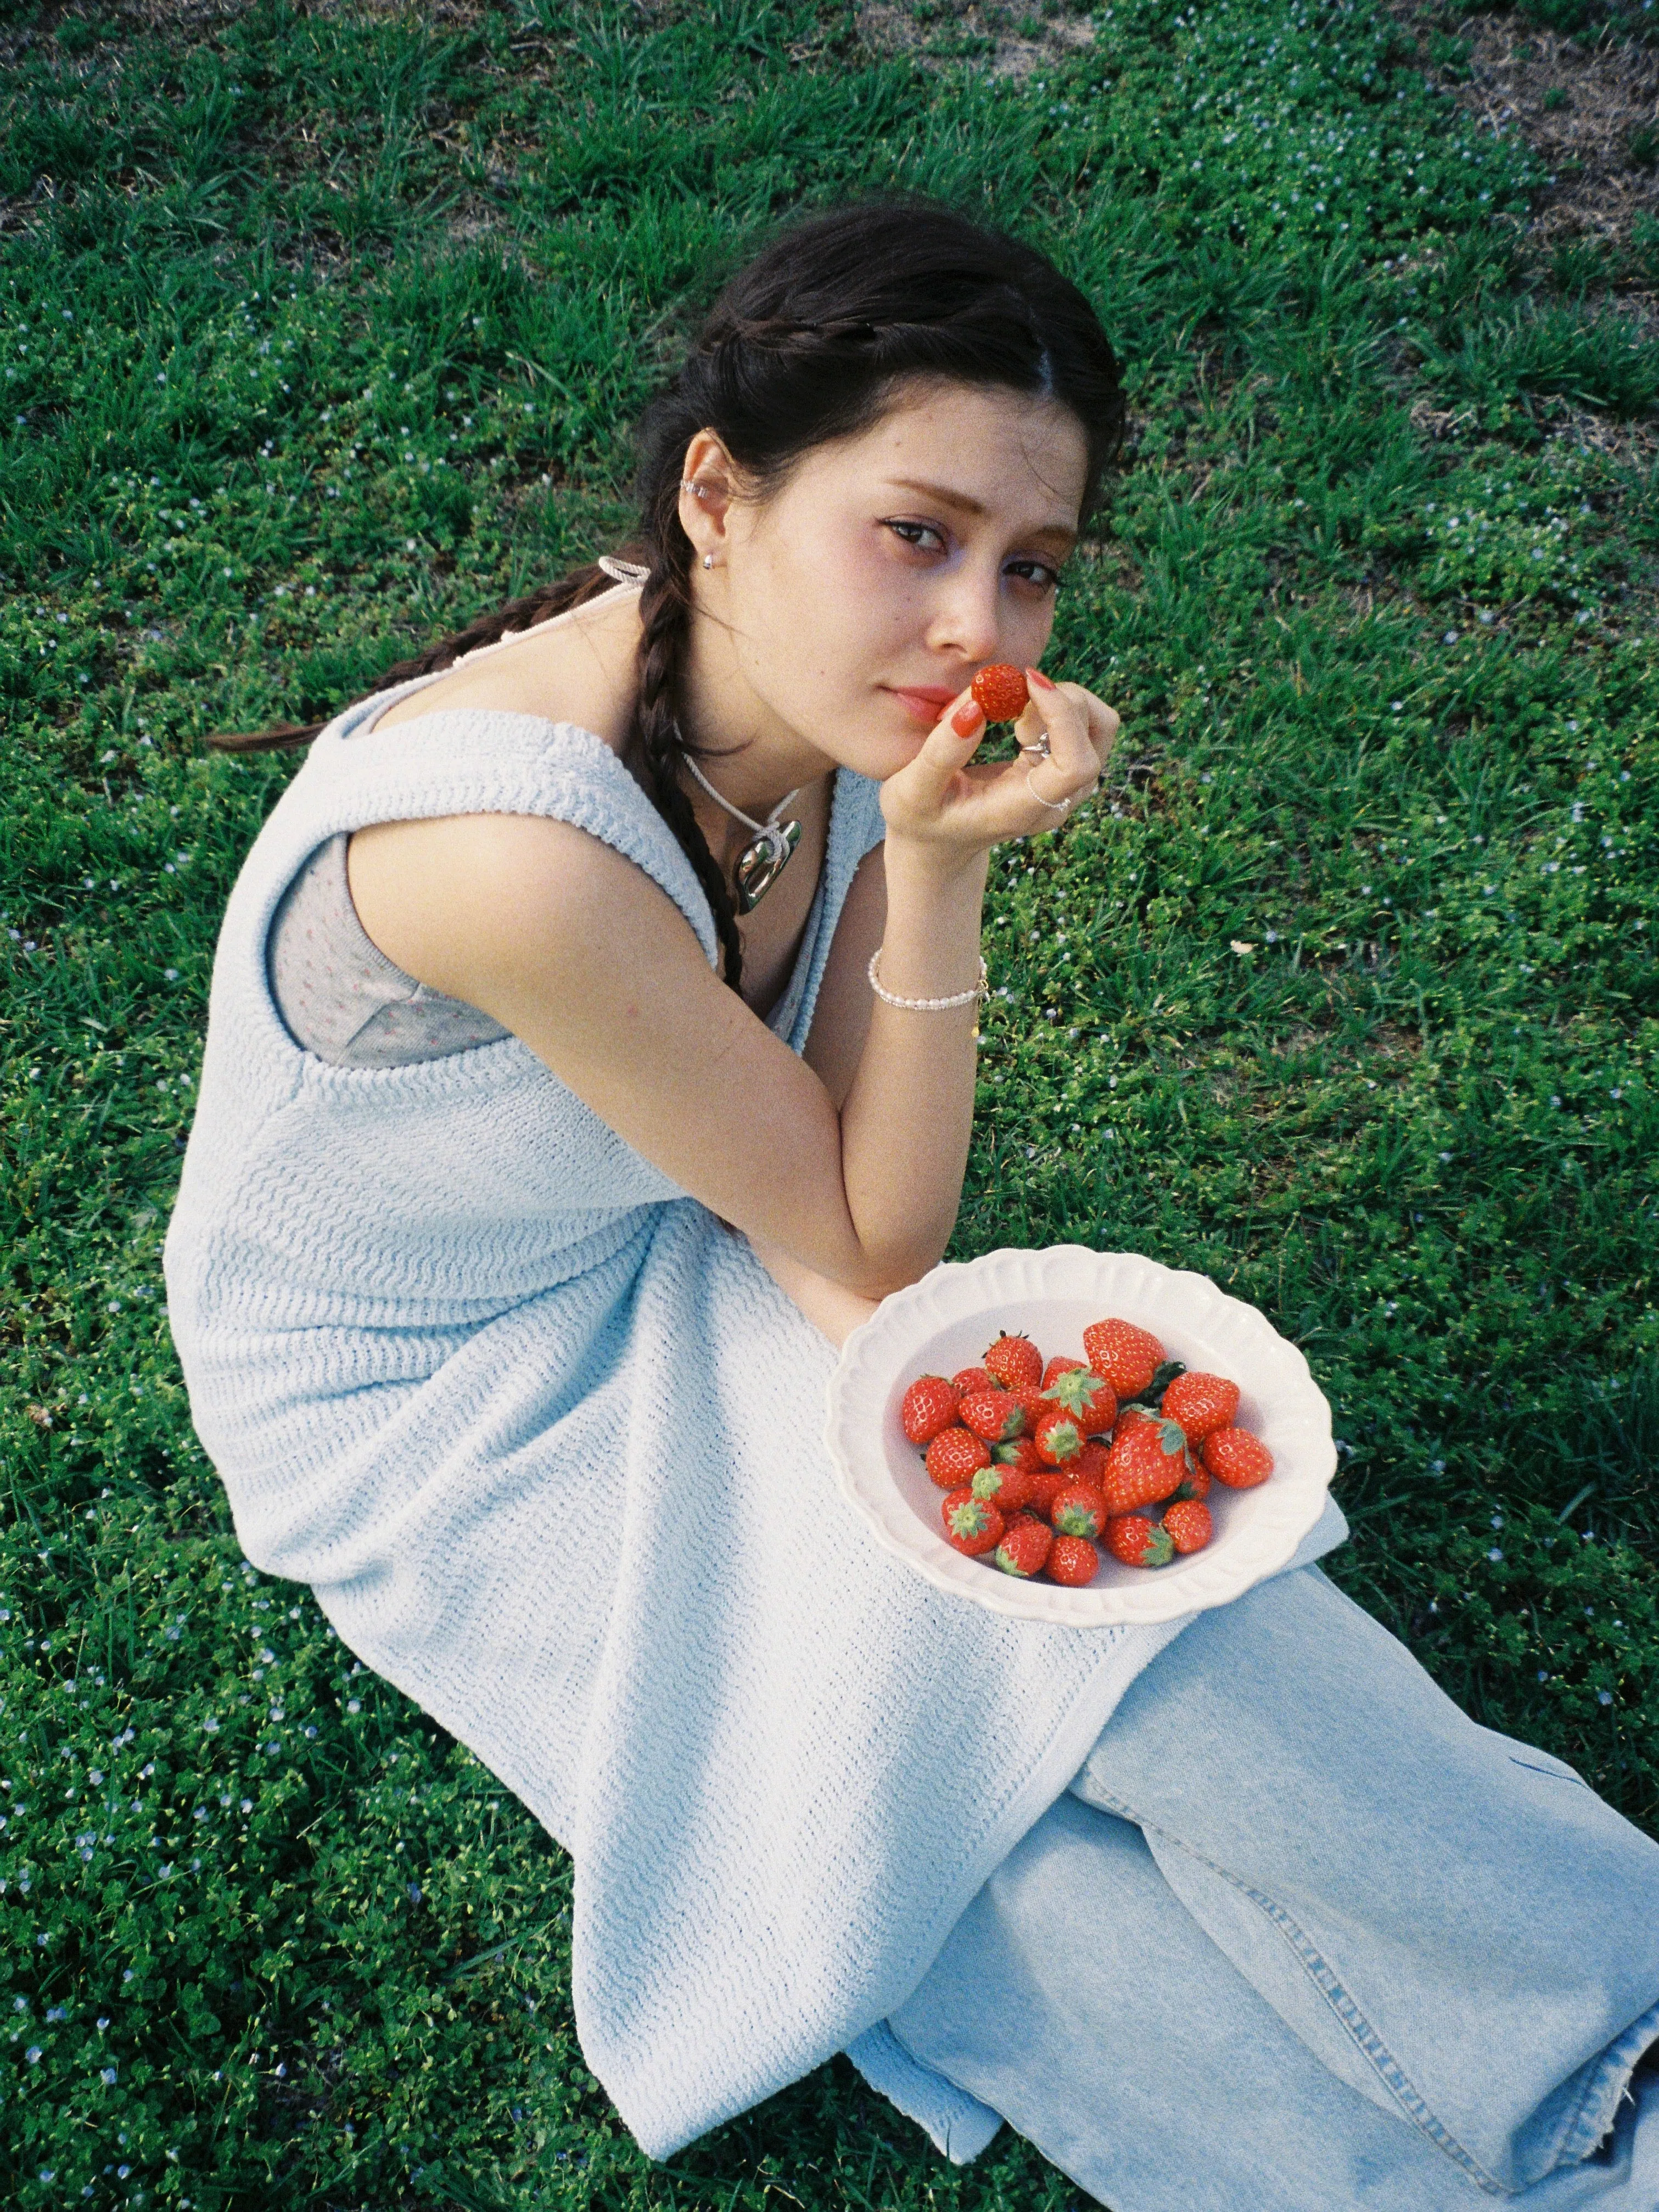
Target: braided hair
x=810 y=342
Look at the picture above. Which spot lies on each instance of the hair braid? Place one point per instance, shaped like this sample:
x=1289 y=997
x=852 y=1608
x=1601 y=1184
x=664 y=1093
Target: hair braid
x=811 y=342
x=664 y=627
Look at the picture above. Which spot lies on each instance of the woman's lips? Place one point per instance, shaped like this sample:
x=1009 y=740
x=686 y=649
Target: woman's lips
x=926 y=701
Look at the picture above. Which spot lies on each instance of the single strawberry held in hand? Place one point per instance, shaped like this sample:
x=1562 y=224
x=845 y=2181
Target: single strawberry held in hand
x=1000 y=692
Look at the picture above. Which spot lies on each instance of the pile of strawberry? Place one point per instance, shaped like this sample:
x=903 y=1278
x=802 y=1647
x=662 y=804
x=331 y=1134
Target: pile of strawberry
x=1041 y=1463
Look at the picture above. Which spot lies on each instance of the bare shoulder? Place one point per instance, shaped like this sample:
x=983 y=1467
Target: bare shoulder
x=469 y=902
x=579 y=668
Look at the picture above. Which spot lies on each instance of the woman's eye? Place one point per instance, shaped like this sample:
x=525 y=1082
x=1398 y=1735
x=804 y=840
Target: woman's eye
x=1035 y=572
x=920 y=534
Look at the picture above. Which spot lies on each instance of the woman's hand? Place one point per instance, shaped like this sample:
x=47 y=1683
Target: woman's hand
x=955 y=807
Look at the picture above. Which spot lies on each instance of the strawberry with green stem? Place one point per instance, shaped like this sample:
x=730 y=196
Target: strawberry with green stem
x=955 y=1456
x=972 y=1524
x=1147 y=1463
x=1088 y=1396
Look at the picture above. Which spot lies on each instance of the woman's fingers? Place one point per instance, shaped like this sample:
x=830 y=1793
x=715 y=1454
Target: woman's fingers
x=1078 y=729
x=1065 y=735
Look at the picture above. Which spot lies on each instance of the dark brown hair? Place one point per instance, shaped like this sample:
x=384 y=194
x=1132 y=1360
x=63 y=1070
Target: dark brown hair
x=805 y=344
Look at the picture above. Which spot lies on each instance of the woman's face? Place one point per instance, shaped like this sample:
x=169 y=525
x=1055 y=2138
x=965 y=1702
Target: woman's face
x=859 y=599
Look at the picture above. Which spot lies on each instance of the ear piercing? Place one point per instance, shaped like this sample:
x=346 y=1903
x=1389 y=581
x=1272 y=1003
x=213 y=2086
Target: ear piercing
x=697 y=491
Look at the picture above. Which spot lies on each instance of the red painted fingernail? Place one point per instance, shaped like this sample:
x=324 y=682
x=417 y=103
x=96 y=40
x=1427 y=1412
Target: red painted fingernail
x=967 y=718
x=1037 y=678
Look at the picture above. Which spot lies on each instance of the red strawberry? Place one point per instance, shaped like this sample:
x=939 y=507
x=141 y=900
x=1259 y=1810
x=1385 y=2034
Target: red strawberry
x=1058 y=1438
x=1127 y=1357
x=1146 y=1463
x=1079 y=1510
x=930 y=1405
x=970 y=1379
x=1238 y=1459
x=1139 y=1542
x=1031 y=1399
x=1021 y=1452
x=1087 y=1396
x=1196 y=1484
x=1025 y=1547
x=1201 y=1403
x=1073 y=1561
x=1014 y=1361
x=972 y=1524
x=1047 y=1486
x=1007 y=1487
x=1188 y=1524
x=1000 y=692
x=1057 y=1366
x=956 y=1456
x=991 y=1414
x=1090 y=1464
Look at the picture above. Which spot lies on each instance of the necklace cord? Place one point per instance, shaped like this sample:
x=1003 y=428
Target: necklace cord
x=771 y=829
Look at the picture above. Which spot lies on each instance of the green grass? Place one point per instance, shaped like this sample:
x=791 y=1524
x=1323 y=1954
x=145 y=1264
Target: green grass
x=321 y=333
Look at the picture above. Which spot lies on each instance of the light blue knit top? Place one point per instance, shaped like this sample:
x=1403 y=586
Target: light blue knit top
x=546 y=1440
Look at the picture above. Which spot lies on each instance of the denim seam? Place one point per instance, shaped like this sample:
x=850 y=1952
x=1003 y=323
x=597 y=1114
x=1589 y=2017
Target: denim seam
x=1591 y=2119
x=1399 y=2084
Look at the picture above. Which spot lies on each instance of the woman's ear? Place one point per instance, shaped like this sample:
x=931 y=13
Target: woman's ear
x=707 y=488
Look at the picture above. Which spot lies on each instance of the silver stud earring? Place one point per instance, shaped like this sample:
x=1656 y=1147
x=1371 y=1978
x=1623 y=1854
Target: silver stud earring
x=697 y=490
x=707 y=560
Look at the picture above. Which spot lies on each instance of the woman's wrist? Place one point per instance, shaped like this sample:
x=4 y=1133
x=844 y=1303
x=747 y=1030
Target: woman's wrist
x=930 y=940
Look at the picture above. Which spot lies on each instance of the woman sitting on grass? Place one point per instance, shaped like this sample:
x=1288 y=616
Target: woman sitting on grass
x=591 y=1047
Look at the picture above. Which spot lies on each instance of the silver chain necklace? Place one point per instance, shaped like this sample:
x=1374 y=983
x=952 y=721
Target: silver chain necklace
x=766 y=854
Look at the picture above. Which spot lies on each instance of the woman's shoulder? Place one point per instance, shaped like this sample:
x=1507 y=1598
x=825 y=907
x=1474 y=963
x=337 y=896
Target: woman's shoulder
x=577 y=672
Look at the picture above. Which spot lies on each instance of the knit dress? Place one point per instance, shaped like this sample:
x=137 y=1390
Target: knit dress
x=546 y=1440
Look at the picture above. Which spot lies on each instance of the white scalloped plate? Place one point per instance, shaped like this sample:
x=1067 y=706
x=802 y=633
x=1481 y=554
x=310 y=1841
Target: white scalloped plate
x=944 y=1322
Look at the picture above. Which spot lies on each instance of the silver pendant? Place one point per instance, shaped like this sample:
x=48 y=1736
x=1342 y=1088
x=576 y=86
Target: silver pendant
x=762 y=861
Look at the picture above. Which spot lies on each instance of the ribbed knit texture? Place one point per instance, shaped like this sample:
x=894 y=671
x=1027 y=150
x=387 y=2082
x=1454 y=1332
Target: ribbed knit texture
x=547 y=1441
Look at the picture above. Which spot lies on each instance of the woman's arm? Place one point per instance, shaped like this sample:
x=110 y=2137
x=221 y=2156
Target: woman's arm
x=584 y=957
x=833 y=1310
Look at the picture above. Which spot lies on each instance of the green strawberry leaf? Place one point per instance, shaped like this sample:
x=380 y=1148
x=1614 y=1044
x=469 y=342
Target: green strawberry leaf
x=1074 y=1388
x=1160 y=1382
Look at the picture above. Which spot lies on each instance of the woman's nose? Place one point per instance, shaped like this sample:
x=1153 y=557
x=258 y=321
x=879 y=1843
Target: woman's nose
x=965 y=619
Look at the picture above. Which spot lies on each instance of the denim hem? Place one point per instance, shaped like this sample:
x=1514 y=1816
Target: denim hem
x=1341 y=2002
x=1605 y=2092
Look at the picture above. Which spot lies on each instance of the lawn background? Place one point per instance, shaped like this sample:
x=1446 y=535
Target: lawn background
x=322 y=329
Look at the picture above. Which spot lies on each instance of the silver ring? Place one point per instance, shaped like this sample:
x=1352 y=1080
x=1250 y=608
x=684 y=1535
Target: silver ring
x=1054 y=806
x=1038 y=751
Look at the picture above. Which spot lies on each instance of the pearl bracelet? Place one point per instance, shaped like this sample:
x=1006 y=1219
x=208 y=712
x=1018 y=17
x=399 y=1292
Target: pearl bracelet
x=981 y=992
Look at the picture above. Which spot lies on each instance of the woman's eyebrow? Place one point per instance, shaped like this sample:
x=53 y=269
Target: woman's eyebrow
x=967 y=504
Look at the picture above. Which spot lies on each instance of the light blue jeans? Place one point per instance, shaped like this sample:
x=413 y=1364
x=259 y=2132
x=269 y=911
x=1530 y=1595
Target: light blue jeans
x=1301 y=1937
